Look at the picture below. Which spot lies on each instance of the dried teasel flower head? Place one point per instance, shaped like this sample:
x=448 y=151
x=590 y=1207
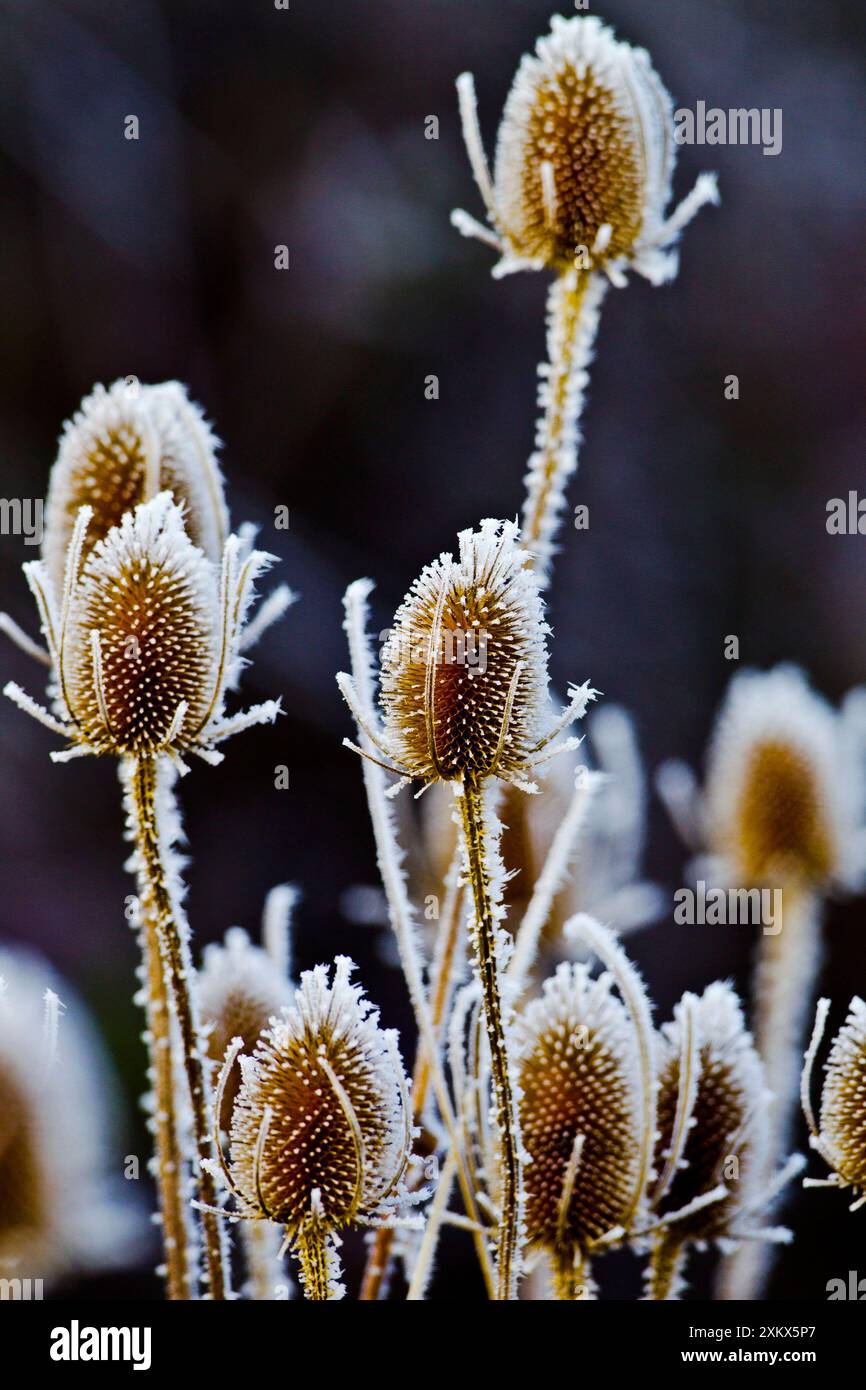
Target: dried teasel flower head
x=840 y=1138
x=147 y=638
x=587 y=1107
x=584 y=160
x=784 y=795
x=464 y=686
x=321 y=1130
x=58 y=1213
x=125 y=444
x=241 y=987
x=713 y=1136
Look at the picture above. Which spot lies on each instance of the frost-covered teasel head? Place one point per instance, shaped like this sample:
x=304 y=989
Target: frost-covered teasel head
x=840 y=1136
x=584 y=159
x=587 y=1106
x=57 y=1211
x=146 y=639
x=464 y=685
x=713 y=1137
x=784 y=796
x=125 y=444
x=321 y=1129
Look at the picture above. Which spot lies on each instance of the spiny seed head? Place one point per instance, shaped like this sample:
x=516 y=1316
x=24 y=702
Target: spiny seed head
x=240 y=988
x=123 y=446
x=464 y=669
x=778 y=789
x=321 y=1110
x=727 y=1140
x=151 y=595
x=843 y=1100
x=577 y=1068
x=584 y=160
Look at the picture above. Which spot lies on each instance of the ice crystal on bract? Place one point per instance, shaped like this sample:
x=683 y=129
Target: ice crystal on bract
x=714 y=1136
x=57 y=1213
x=320 y=1134
x=464 y=669
x=146 y=639
x=585 y=1076
x=840 y=1138
x=584 y=159
x=124 y=445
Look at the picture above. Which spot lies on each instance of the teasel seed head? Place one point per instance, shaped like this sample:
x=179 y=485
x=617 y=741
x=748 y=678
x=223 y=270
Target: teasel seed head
x=784 y=796
x=464 y=685
x=840 y=1138
x=147 y=638
x=57 y=1211
x=320 y=1133
x=241 y=987
x=584 y=159
x=125 y=444
x=585 y=1072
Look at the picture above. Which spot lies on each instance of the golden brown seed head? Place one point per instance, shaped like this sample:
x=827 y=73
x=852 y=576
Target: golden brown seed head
x=123 y=446
x=464 y=670
x=781 y=828
x=577 y=1069
x=151 y=597
x=586 y=142
x=726 y=1143
x=843 y=1099
x=325 y=1086
x=777 y=808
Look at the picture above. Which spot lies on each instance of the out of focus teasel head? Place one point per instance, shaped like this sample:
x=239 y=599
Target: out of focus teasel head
x=58 y=1214
x=840 y=1137
x=125 y=444
x=584 y=160
x=321 y=1129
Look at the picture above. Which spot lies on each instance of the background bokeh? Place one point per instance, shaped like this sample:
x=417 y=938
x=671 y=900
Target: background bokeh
x=306 y=128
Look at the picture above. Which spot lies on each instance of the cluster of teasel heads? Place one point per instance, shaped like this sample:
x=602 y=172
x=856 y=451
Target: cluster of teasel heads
x=568 y=1123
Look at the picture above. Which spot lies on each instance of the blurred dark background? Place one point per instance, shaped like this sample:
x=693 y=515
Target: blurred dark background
x=261 y=127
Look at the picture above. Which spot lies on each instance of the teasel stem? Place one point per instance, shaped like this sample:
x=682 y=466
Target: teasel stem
x=169 y=1158
x=664 y=1270
x=311 y=1247
x=572 y=1282
x=378 y=1264
x=156 y=890
x=484 y=933
x=400 y=911
x=263 y=1264
x=573 y=306
x=785 y=972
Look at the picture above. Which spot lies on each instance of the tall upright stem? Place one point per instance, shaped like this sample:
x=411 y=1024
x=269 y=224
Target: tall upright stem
x=571 y=1275
x=312 y=1252
x=573 y=308
x=664 y=1274
x=158 y=898
x=169 y=1158
x=782 y=999
x=484 y=930
x=379 y=1257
